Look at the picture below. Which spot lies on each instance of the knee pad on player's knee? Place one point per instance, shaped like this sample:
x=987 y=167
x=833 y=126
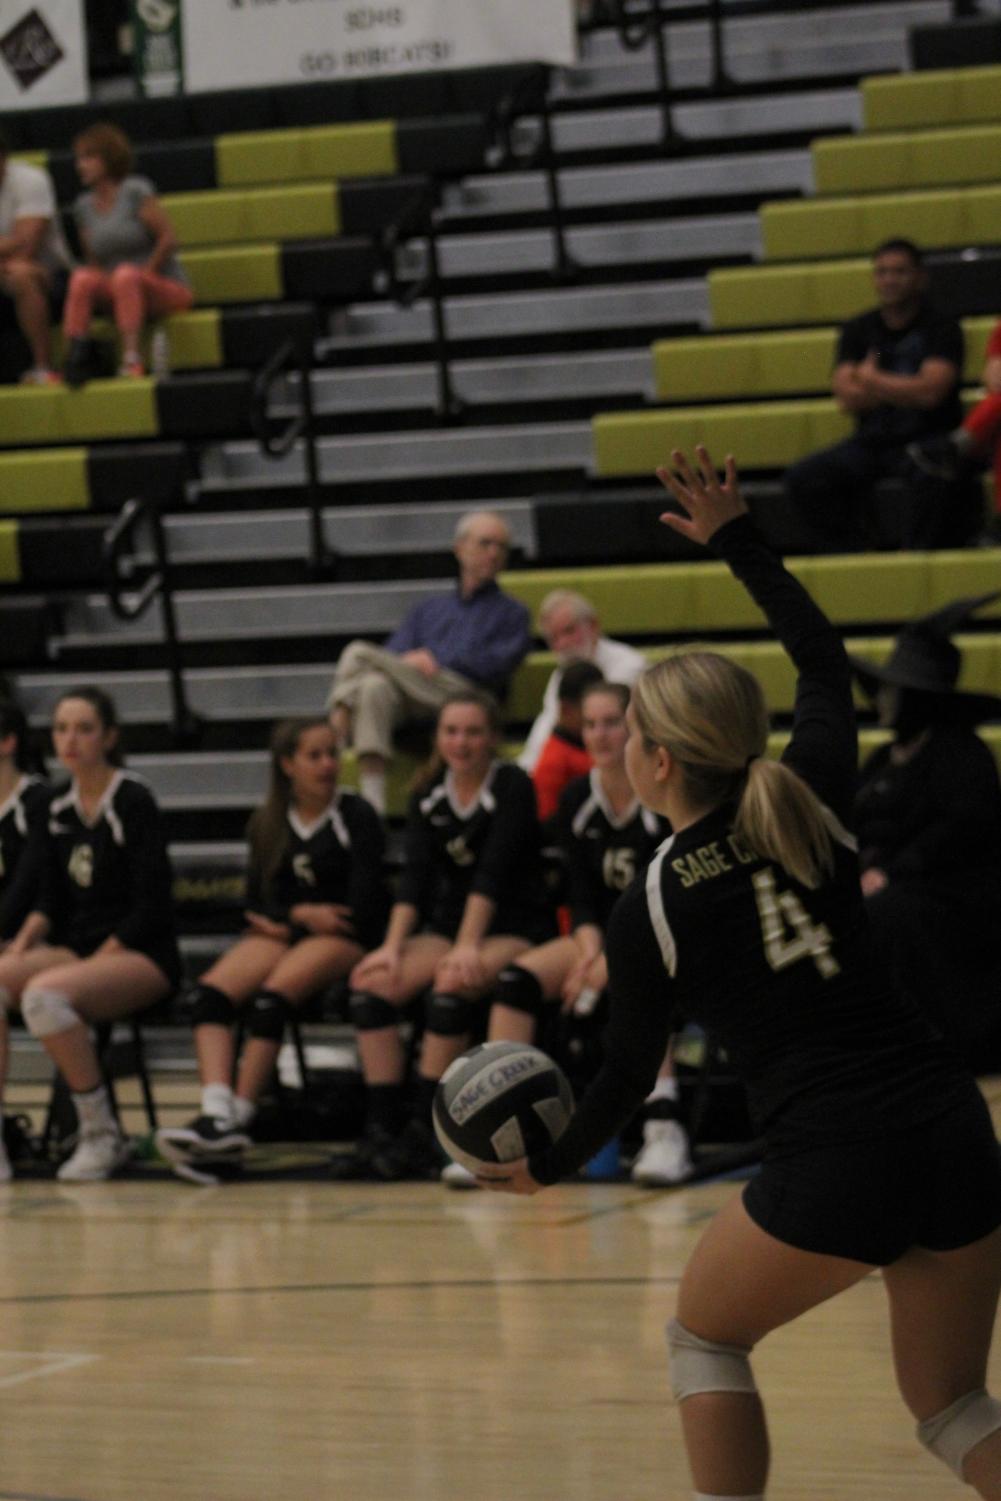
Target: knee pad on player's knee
x=699 y=1365
x=520 y=990
x=449 y=1015
x=370 y=1013
x=209 y=1007
x=951 y=1434
x=267 y=1016
x=46 y=1012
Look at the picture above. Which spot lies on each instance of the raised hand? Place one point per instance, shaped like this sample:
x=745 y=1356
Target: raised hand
x=707 y=501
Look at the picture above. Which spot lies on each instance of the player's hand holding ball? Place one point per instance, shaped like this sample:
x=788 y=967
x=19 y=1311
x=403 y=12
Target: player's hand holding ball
x=498 y=1105
x=508 y=1178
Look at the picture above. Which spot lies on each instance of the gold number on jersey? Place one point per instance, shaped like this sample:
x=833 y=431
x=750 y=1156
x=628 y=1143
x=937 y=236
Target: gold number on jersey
x=787 y=931
x=618 y=868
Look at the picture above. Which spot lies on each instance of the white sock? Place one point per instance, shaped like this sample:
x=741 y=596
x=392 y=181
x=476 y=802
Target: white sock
x=217 y=1102
x=665 y=1089
x=243 y=1111
x=93 y=1110
x=372 y=786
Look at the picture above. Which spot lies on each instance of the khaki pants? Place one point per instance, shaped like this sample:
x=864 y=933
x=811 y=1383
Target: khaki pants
x=382 y=691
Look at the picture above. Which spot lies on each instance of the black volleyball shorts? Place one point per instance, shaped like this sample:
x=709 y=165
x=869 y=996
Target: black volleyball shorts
x=936 y=1185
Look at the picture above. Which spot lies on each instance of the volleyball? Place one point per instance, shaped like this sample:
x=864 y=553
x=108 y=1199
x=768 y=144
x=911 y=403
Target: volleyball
x=501 y=1101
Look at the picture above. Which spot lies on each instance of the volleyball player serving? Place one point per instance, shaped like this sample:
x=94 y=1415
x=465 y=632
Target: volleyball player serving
x=879 y=1148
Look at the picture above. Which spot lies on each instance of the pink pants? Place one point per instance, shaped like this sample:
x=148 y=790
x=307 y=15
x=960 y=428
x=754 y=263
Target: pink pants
x=984 y=426
x=133 y=293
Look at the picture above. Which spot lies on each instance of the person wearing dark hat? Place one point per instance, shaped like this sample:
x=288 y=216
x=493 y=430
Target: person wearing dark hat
x=928 y=818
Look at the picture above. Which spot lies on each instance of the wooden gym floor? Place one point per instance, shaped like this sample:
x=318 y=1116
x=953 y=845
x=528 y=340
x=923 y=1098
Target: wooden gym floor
x=294 y=1341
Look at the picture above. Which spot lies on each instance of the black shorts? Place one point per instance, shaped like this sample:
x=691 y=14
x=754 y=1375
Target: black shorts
x=936 y=1185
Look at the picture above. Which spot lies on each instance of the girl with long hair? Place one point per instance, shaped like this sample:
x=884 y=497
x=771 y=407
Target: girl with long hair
x=315 y=901
x=24 y=802
x=99 y=942
x=470 y=899
x=879 y=1149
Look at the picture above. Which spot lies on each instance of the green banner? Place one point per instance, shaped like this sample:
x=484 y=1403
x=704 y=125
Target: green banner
x=156 y=46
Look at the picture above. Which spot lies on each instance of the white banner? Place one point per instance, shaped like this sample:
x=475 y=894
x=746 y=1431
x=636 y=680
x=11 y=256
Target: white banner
x=244 y=43
x=43 y=53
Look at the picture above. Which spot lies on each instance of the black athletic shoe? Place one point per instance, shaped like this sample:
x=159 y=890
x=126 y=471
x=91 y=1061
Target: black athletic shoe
x=77 y=367
x=415 y=1154
x=939 y=456
x=202 y=1140
x=355 y=1166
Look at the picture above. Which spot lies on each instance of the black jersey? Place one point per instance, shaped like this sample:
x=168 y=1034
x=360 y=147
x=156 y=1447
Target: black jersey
x=22 y=832
x=604 y=851
x=782 y=977
x=338 y=858
x=492 y=848
x=110 y=875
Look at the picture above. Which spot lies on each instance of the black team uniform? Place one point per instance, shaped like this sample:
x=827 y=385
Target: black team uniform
x=110 y=876
x=338 y=859
x=875 y=1138
x=492 y=848
x=604 y=852
x=22 y=833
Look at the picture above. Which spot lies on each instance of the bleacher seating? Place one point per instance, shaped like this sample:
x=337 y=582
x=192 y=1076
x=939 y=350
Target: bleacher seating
x=558 y=378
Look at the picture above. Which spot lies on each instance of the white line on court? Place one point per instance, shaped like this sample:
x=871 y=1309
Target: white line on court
x=53 y=1362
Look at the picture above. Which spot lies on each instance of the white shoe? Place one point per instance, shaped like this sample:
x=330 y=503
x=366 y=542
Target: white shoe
x=456 y=1176
x=97 y=1156
x=664 y=1158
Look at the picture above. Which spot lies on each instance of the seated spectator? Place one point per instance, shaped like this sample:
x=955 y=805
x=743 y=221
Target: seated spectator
x=316 y=900
x=570 y=627
x=471 y=639
x=897 y=373
x=128 y=242
x=99 y=943
x=24 y=806
x=34 y=259
x=976 y=443
x=928 y=816
x=564 y=757
x=470 y=899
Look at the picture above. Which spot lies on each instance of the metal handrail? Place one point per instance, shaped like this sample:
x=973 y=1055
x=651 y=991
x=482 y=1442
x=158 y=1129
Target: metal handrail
x=417 y=217
x=285 y=359
x=186 y=726
x=529 y=94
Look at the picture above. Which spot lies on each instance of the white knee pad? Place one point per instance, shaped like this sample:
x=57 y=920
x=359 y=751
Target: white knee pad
x=698 y=1365
x=951 y=1434
x=47 y=1011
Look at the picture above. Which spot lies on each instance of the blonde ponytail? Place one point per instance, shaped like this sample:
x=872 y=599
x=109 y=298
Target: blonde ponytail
x=710 y=714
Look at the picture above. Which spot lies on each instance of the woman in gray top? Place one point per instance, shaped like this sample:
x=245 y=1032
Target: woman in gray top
x=128 y=242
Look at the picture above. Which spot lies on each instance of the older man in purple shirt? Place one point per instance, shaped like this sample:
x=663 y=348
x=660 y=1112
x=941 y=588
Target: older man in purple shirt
x=472 y=638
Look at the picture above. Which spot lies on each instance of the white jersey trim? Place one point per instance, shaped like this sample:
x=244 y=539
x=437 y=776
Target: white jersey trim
x=655 y=906
x=599 y=800
x=331 y=815
x=13 y=804
x=446 y=789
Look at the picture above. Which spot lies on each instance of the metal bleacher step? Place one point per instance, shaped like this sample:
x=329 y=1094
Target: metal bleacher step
x=582 y=188
x=522 y=380
x=566 y=311
x=518 y=448
x=706 y=237
x=728 y=121
x=804 y=43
